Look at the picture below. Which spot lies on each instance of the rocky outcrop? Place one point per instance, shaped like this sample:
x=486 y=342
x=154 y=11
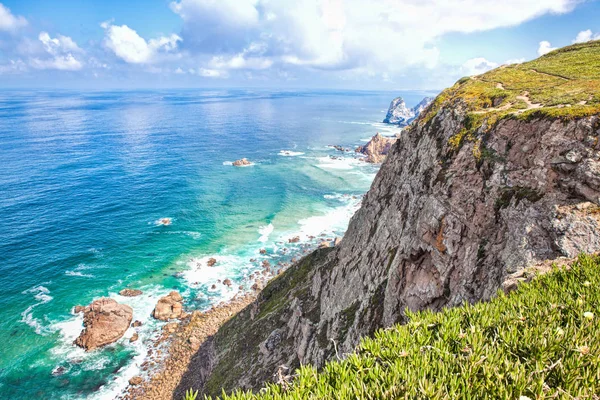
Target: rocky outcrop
x=130 y=292
x=399 y=114
x=241 y=163
x=377 y=148
x=105 y=321
x=169 y=307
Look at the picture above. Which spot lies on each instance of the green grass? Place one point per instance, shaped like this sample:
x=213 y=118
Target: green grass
x=565 y=82
x=539 y=341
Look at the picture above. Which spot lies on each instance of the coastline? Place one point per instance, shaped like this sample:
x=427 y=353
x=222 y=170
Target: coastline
x=183 y=340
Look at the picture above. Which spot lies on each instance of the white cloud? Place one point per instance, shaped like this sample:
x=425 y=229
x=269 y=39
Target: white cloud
x=60 y=50
x=10 y=22
x=477 y=66
x=545 y=48
x=13 y=67
x=211 y=73
x=132 y=48
x=60 y=44
x=383 y=35
x=515 y=61
x=586 y=36
x=62 y=62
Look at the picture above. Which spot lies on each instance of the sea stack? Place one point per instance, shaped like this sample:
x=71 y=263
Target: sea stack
x=399 y=114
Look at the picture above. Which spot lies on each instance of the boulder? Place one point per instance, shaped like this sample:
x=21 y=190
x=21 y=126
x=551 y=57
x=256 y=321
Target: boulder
x=211 y=261
x=105 y=321
x=130 y=292
x=324 y=245
x=227 y=282
x=295 y=239
x=134 y=338
x=168 y=307
x=136 y=323
x=136 y=380
x=241 y=162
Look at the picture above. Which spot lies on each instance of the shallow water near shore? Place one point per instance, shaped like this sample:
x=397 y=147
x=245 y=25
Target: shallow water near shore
x=87 y=176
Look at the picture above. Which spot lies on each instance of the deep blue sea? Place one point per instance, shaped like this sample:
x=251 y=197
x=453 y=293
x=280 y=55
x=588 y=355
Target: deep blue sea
x=86 y=176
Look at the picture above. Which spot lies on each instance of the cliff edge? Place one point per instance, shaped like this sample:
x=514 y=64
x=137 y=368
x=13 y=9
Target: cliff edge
x=501 y=171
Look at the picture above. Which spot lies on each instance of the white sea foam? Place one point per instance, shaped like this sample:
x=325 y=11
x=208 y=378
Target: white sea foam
x=288 y=153
x=42 y=295
x=265 y=232
x=227 y=162
x=341 y=163
x=331 y=222
x=78 y=271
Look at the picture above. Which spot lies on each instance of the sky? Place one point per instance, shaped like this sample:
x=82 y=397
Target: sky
x=278 y=44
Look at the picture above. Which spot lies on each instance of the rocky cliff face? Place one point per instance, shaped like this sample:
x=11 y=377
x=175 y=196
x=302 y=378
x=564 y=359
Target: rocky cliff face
x=465 y=198
x=401 y=115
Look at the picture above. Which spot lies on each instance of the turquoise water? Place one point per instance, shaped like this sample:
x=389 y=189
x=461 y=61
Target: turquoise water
x=86 y=176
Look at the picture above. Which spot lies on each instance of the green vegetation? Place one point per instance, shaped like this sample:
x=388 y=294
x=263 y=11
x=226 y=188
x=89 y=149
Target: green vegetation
x=563 y=84
x=541 y=341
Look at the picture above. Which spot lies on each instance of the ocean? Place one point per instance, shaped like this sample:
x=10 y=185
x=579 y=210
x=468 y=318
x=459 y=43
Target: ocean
x=86 y=177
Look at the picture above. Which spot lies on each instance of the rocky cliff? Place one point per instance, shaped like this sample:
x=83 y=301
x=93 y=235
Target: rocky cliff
x=399 y=114
x=501 y=171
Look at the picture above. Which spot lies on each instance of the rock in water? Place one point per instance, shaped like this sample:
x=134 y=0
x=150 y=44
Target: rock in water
x=105 y=321
x=242 y=162
x=398 y=113
x=401 y=115
x=423 y=104
x=377 y=148
x=168 y=307
x=130 y=292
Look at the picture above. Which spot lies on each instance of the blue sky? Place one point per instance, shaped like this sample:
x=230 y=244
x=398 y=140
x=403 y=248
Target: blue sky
x=352 y=44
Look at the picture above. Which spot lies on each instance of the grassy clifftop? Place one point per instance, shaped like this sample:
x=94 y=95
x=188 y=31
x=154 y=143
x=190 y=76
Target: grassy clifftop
x=540 y=341
x=564 y=83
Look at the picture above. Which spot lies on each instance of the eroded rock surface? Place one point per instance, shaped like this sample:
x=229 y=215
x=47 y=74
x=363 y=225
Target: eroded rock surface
x=105 y=321
x=377 y=148
x=169 y=307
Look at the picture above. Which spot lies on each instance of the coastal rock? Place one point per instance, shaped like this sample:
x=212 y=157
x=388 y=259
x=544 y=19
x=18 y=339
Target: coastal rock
x=399 y=114
x=130 y=292
x=241 y=163
x=136 y=380
x=337 y=241
x=136 y=324
x=105 y=321
x=295 y=239
x=324 y=245
x=134 y=338
x=168 y=307
x=377 y=148
x=78 y=309
x=227 y=282
x=211 y=261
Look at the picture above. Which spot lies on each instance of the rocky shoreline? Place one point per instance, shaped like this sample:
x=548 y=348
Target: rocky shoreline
x=182 y=340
